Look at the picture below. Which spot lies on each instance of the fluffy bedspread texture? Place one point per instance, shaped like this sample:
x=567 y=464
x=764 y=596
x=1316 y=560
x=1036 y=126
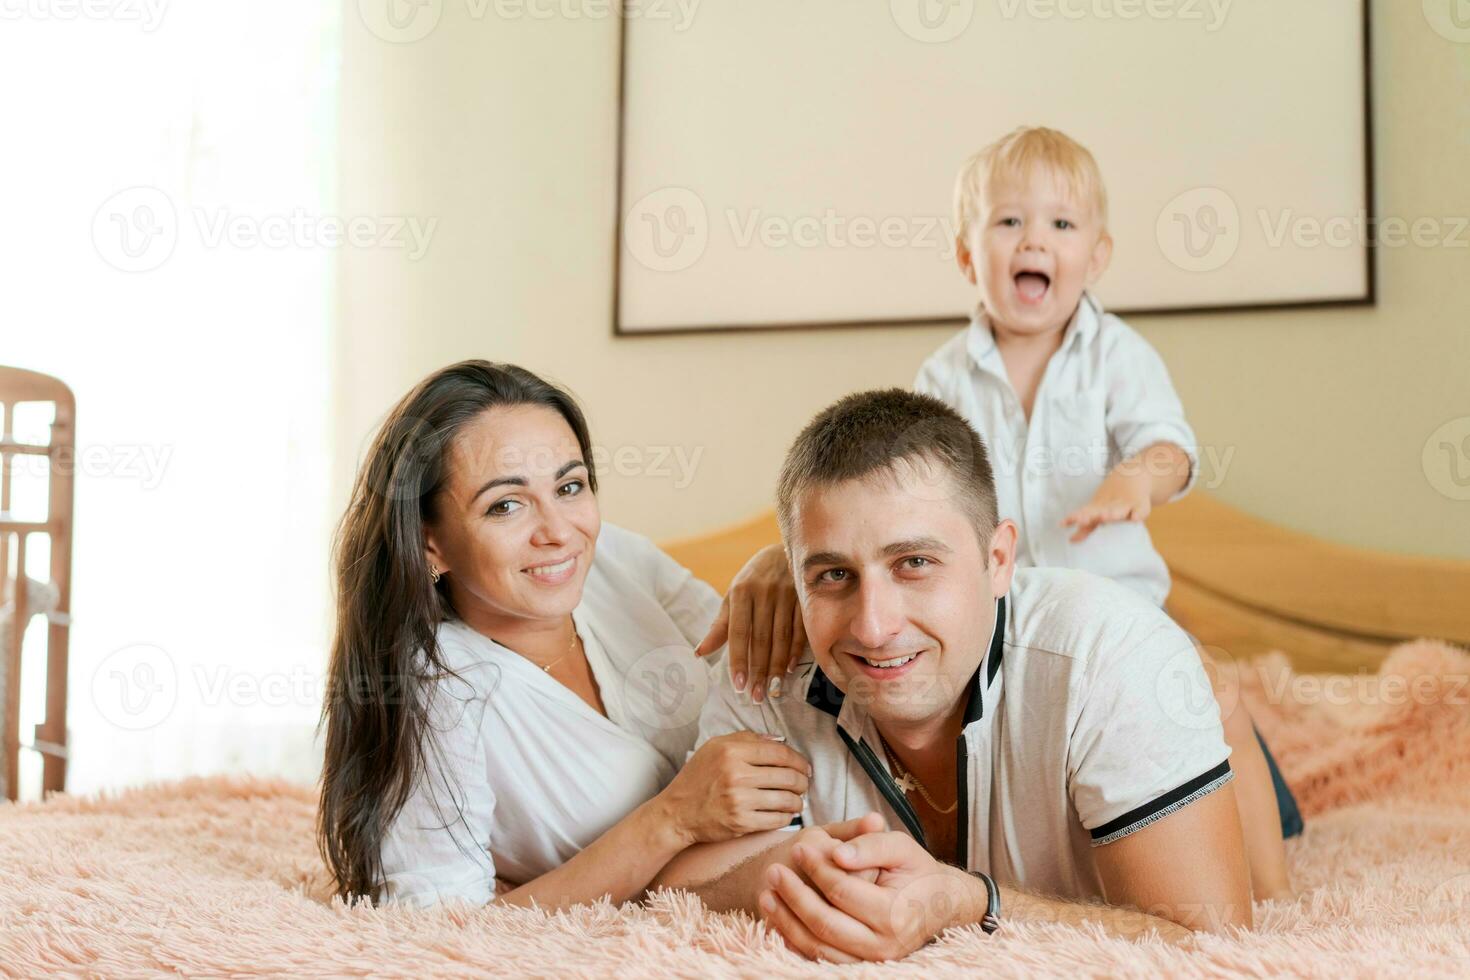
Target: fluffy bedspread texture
x=220 y=877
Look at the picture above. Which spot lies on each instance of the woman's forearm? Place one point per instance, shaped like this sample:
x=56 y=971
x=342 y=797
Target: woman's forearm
x=619 y=864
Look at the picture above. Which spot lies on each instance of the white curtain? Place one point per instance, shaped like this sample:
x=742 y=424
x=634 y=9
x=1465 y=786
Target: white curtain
x=167 y=249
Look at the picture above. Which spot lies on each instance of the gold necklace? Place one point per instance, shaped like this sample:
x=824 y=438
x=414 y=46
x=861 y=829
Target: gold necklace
x=907 y=782
x=570 y=647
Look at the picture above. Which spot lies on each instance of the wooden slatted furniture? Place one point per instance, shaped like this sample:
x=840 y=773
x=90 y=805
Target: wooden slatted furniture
x=1242 y=585
x=17 y=385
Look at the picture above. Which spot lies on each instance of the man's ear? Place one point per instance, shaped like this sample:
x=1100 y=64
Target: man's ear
x=1001 y=556
x=964 y=258
x=1102 y=255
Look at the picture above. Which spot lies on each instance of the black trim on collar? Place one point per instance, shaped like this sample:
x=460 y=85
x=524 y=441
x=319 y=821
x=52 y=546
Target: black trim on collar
x=975 y=707
x=826 y=696
x=823 y=694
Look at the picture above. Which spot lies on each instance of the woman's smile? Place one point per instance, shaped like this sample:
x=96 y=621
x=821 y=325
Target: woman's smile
x=553 y=572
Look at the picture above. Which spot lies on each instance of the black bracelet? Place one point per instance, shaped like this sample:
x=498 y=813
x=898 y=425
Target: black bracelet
x=991 y=920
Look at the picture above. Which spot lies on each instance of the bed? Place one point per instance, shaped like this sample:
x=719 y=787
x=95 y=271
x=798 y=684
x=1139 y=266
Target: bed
x=219 y=876
x=1241 y=585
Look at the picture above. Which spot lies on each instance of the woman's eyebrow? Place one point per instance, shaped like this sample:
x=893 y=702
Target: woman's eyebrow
x=520 y=481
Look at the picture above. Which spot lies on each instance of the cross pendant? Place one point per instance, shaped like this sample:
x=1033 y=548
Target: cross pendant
x=906 y=784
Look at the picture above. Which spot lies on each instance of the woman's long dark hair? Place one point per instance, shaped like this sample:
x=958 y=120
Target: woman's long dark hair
x=384 y=652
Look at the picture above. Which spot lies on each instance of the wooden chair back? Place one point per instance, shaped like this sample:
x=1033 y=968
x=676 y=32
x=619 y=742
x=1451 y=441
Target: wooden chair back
x=20 y=386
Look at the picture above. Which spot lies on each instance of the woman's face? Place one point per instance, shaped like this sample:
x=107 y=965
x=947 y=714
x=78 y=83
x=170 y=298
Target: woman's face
x=516 y=522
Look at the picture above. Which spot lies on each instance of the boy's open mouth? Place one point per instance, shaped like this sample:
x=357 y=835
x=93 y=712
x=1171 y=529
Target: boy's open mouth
x=1032 y=286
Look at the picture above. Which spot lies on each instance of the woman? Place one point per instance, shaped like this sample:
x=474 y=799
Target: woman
x=512 y=689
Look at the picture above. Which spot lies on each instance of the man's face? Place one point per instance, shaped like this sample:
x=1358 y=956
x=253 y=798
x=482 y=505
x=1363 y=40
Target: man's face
x=896 y=591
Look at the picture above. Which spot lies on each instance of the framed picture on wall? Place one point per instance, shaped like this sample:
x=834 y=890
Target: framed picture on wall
x=791 y=165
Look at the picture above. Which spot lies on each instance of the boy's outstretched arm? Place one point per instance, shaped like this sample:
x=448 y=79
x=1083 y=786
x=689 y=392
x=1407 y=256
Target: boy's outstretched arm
x=1131 y=490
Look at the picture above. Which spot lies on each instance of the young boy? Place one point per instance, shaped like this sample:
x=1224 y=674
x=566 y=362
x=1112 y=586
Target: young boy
x=1085 y=431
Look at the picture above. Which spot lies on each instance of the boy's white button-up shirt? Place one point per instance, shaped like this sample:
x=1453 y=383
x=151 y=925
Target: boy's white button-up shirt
x=1105 y=396
x=1088 y=718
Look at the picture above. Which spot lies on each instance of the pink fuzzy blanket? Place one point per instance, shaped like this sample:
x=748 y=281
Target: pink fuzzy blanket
x=219 y=876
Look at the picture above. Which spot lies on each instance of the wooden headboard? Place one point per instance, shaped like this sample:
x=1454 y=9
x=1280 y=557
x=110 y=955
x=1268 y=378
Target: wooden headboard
x=1241 y=584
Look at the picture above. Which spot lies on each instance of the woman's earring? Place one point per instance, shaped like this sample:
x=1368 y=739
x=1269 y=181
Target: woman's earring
x=434 y=574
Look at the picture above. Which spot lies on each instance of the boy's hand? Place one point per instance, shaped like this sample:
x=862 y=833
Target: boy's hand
x=762 y=620
x=1153 y=476
x=1122 y=497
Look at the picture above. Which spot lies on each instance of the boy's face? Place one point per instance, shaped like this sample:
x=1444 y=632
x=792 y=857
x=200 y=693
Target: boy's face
x=1032 y=251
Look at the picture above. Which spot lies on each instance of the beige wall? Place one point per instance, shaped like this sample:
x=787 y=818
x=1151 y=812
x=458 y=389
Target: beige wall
x=504 y=131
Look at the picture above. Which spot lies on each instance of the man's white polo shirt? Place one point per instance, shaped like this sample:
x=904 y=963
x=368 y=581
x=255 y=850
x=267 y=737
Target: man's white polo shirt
x=1089 y=718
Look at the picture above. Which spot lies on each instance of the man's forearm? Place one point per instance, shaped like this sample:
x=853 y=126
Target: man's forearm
x=725 y=876
x=1123 y=923
x=1018 y=906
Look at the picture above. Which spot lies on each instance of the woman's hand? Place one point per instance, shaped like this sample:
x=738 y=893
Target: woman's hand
x=762 y=621
x=735 y=785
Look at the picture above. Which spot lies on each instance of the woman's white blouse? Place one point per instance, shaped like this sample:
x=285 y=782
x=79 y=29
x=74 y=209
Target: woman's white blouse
x=520 y=774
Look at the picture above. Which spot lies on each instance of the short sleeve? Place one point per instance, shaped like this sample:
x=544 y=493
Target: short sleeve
x=690 y=602
x=1143 y=407
x=438 y=846
x=726 y=710
x=1147 y=741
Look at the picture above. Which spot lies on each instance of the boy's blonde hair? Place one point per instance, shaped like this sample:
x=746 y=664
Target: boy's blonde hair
x=1014 y=157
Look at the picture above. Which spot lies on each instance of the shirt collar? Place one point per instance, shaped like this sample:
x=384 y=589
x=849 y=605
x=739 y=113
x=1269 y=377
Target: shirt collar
x=826 y=696
x=1080 y=330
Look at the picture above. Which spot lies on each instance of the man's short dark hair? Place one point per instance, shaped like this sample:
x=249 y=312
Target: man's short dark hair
x=871 y=433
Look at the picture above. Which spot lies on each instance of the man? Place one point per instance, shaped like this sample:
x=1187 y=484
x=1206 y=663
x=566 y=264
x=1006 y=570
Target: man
x=1041 y=729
